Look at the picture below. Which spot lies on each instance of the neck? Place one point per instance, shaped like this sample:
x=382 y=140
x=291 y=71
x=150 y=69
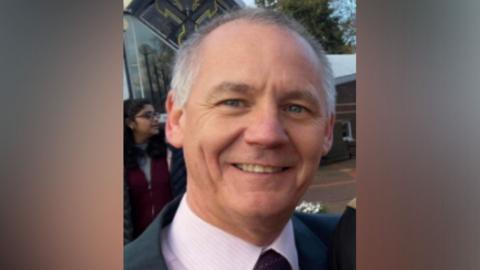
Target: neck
x=259 y=231
x=140 y=139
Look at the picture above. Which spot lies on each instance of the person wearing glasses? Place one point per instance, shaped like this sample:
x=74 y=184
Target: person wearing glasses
x=147 y=181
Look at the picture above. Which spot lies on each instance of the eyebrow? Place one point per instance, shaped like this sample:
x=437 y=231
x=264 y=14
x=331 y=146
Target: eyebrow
x=302 y=94
x=230 y=87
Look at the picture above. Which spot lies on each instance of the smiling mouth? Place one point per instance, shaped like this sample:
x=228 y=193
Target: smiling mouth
x=255 y=168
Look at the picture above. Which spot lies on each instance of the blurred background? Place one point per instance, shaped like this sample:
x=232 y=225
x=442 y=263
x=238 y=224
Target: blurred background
x=417 y=124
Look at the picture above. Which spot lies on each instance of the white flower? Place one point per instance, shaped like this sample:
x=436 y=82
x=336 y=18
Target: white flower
x=310 y=207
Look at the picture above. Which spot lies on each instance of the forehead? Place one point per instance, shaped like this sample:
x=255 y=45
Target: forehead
x=147 y=108
x=243 y=35
x=256 y=54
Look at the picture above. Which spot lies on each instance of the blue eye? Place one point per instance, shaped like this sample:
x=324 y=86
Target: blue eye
x=295 y=109
x=232 y=102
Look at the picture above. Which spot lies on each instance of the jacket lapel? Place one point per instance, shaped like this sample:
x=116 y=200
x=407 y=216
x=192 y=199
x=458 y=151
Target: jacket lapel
x=312 y=252
x=145 y=252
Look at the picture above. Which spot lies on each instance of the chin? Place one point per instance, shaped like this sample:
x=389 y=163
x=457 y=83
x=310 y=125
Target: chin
x=268 y=206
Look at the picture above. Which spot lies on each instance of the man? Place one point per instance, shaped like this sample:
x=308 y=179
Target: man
x=252 y=105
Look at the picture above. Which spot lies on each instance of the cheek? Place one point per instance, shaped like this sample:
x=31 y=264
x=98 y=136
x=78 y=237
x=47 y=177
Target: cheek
x=207 y=142
x=143 y=126
x=309 y=142
x=309 y=147
x=218 y=147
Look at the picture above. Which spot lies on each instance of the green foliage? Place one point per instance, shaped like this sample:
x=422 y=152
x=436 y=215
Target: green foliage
x=345 y=10
x=315 y=16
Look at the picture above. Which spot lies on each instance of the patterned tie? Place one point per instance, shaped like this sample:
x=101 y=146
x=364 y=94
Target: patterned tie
x=271 y=260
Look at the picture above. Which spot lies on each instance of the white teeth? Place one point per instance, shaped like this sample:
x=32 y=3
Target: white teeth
x=258 y=168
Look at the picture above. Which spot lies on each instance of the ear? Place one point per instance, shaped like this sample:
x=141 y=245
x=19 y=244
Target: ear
x=328 y=138
x=173 y=127
x=130 y=124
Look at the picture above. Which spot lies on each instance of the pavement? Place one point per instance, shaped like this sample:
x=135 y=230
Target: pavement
x=334 y=186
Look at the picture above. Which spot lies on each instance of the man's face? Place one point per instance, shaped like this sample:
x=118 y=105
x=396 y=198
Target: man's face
x=254 y=127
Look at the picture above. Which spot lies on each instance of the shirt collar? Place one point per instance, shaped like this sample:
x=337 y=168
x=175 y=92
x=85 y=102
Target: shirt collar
x=285 y=245
x=200 y=245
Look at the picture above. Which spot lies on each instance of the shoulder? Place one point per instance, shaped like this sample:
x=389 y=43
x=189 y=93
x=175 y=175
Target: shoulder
x=342 y=251
x=346 y=226
x=145 y=252
x=313 y=234
x=322 y=225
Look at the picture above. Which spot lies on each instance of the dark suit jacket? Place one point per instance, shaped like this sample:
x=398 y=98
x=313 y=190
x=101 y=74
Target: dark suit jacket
x=312 y=236
x=342 y=249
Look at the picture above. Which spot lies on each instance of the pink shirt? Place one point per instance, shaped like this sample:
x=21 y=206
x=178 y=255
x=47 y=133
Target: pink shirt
x=191 y=243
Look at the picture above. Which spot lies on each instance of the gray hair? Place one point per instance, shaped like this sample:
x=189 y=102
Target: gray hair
x=186 y=64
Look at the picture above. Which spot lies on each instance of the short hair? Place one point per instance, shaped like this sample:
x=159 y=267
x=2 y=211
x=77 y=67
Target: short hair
x=186 y=64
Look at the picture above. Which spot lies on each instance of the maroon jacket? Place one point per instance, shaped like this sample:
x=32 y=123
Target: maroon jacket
x=148 y=199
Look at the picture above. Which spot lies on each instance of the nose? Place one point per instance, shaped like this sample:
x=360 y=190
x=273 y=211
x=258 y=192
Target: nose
x=266 y=130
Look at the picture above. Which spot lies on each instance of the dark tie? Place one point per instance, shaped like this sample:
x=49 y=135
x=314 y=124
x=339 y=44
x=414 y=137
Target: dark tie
x=271 y=260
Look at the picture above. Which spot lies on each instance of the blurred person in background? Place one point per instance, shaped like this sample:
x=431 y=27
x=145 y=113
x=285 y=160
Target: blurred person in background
x=148 y=184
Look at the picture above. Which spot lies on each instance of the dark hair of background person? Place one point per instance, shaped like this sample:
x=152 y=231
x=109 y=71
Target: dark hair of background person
x=156 y=144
